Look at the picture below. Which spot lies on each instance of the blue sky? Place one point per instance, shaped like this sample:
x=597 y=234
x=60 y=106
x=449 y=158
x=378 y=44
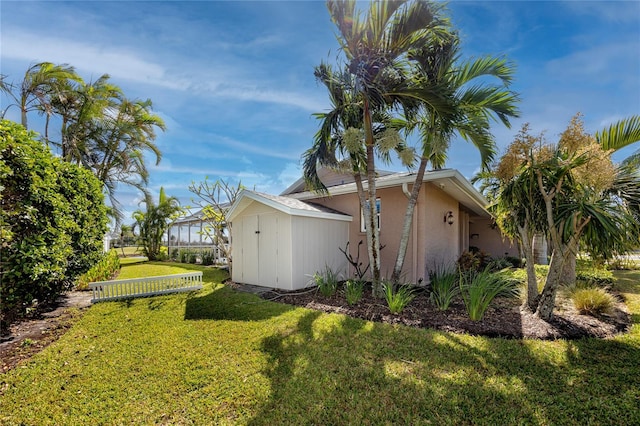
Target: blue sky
x=234 y=80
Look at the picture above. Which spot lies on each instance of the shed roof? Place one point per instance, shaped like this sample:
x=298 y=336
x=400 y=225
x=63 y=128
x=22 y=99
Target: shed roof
x=288 y=205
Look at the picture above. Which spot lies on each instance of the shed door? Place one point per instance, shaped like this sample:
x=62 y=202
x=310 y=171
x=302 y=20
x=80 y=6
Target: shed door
x=260 y=249
x=268 y=250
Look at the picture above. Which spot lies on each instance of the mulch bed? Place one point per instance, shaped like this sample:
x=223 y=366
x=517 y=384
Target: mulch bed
x=505 y=317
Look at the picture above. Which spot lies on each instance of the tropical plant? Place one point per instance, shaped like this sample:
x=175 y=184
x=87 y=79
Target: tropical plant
x=353 y=291
x=397 y=296
x=327 y=282
x=474 y=102
x=592 y=301
x=444 y=287
x=563 y=191
x=374 y=80
x=478 y=289
x=41 y=82
x=154 y=222
x=101 y=129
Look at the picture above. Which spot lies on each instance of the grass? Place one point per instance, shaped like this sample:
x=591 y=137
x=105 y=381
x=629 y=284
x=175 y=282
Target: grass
x=225 y=357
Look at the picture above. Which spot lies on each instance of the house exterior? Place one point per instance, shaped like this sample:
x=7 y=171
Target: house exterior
x=449 y=219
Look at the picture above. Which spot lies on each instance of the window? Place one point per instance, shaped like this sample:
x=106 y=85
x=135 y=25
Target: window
x=363 y=225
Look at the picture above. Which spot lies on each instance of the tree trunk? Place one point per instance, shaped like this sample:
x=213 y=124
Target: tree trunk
x=408 y=220
x=532 y=281
x=548 y=297
x=568 y=274
x=540 y=249
x=558 y=259
x=373 y=233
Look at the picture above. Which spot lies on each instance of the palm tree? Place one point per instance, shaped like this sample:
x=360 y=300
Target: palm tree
x=41 y=81
x=154 y=222
x=108 y=134
x=375 y=47
x=474 y=104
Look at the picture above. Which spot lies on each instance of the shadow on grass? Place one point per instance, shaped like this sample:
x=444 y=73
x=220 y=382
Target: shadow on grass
x=224 y=303
x=330 y=369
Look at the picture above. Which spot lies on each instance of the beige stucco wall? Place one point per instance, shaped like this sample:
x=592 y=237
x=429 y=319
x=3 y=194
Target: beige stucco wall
x=440 y=243
x=489 y=239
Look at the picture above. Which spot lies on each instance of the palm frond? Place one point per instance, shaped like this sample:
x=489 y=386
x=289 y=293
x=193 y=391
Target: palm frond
x=620 y=134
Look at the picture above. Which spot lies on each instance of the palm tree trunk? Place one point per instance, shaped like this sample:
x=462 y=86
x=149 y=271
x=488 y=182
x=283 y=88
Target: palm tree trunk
x=408 y=220
x=373 y=232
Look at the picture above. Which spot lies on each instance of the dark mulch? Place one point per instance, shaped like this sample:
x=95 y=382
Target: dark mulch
x=505 y=317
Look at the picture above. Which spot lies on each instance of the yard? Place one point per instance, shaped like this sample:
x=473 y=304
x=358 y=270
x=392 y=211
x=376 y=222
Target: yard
x=225 y=357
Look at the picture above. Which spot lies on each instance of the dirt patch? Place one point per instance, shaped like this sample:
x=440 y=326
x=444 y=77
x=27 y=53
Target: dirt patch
x=29 y=336
x=505 y=317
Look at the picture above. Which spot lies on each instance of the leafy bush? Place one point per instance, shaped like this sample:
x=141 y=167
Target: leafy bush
x=208 y=257
x=397 y=299
x=175 y=253
x=592 y=301
x=192 y=257
x=478 y=290
x=595 y=277
x=444 y=287
x=474 y=260
x=353 y=291
x=53 y=218
x=327 y=283
x=184 y=256
x=104 y=270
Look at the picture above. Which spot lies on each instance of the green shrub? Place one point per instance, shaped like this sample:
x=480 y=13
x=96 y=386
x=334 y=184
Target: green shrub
x=592 y=301
x=353 y=291
x=175 y=253
x=327 y=283
x=184 y=256
x=53 y=221
x=595 y=277
x=478 y=290
x=473 y=260
x=192 y=257
x=398 y=299
x=444 y=287
x=207 y=257
x=104 y=270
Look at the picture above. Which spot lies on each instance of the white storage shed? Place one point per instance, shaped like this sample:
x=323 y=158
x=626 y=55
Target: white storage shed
x=280 y=242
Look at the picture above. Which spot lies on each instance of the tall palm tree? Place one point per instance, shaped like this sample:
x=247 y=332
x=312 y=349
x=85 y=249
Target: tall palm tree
x=376 y=46
x=41 y=81
x=107 y=133
x=475 y=103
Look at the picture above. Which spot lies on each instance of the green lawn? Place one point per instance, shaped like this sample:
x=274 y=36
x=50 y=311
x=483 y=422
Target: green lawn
x=222 y=357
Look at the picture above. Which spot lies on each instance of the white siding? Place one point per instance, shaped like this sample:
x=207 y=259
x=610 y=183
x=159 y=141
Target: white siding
x=315 y=246
x=287 y=250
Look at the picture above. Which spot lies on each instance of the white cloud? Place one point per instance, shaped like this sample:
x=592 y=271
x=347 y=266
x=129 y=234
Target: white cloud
x=119 y=63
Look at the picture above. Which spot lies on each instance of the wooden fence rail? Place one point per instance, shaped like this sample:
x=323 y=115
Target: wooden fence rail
x=148 y=286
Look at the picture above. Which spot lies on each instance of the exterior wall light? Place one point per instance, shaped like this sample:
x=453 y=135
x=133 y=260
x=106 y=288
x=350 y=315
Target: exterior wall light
x=448 y=218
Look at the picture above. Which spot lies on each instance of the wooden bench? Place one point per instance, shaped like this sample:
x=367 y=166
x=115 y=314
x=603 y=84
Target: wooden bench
x=148 y=286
